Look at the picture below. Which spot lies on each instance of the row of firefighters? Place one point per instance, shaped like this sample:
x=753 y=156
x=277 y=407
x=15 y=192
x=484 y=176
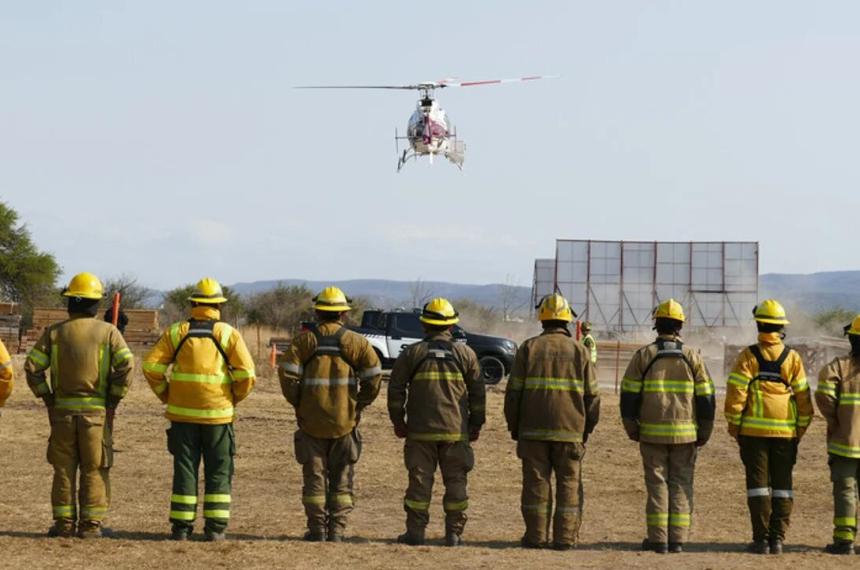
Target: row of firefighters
x=201 y=369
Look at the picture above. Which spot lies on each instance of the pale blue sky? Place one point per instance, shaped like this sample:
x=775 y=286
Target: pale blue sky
x=163 y=139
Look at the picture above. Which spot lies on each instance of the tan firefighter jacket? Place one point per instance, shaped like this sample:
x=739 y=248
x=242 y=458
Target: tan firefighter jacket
x=5 y=374
x=211 y=372
x=838 y=398
x=552 y=393
x=89 y=365
x=436 y=390
x=773 y=401
x=667 y=395
x=329 y=375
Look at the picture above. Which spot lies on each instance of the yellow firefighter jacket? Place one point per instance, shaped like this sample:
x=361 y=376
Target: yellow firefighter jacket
x=89 y=363
x=667 y=395
x=5 y=374
x=329 y=375
x=436 y=390
x=552 y=393
x=773 y=401
x=838 y=398
x=212 y=369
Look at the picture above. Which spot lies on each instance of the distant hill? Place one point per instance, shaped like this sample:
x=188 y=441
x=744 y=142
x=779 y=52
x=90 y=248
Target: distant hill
x=814 y=292
x=388 y=294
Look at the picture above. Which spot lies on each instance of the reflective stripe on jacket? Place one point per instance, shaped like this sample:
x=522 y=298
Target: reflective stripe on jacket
x=552 y=393
x=200 y=388
x=838 y=399
x=6 y=380
x=89 y=365
x=671 y=402
x=330 y=387
x=768 y=408
x=436 y=390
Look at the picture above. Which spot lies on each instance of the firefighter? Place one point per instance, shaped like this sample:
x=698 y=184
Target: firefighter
x=436 y=402
x=212 y=371
x=89 y=365
x=768 y=408
x=838 y=398
x=668 y=406
x=329 y=375
x=588 y=340
x=552 y=404
x=6 y=380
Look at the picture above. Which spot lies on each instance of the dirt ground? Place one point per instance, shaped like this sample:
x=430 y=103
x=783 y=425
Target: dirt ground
x=268 y=520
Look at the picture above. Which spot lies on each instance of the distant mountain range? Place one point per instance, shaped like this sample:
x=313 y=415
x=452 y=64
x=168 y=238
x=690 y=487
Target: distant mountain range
x=389 y=294
x=812 y=293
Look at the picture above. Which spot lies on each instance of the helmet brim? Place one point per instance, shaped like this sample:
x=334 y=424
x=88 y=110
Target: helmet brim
x=770 y=321
x=82 y=295
x=209 y=300
x=332 y=308
x=439 y=322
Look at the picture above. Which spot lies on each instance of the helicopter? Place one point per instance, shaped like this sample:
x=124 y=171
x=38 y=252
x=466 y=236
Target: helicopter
x=429 y=131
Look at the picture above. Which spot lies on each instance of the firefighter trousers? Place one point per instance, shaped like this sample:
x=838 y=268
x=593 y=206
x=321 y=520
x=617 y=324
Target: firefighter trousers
x=540 y=460
x=844 y=473
x=80 y=443
x=455 y=460
x=327 y=471
x=669 y=483
x=216 y=446
x=768 y=462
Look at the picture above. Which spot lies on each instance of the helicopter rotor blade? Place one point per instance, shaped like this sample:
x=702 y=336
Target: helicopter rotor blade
x=449 y=83
x=409 y=87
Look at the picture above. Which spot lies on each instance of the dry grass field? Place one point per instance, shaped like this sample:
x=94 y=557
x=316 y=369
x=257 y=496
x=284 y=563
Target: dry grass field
x=268 y=520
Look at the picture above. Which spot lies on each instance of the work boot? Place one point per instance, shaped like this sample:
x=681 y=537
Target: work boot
x=410 y=539
x=776 y=546
x=840 y=547
x=758 y=547
x=314 y=536
x=90 y=529
x=658 y=547
x=210 y=535
x=563 y=546
x=528 y=544
x=62 y=529
x=180 y=533
x=453 y=539
x=334 y=537
x=676 y=548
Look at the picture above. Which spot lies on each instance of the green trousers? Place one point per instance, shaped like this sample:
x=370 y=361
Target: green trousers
x=844 y=473
x=216 y=445
x=768 y=462
x=540 y=460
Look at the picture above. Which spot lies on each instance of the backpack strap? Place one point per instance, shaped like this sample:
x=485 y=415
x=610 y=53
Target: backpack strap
x=328 y=345
x=669 y=349
x=202 y=329
x=770 y=370
x=440 y=351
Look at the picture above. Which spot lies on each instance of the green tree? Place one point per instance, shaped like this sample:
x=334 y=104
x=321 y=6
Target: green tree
x=281 y=308
x=27 y=276
x=832 y=320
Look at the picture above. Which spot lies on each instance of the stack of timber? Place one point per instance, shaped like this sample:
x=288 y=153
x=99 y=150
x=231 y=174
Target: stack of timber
x=10 y=326
x=141 y=332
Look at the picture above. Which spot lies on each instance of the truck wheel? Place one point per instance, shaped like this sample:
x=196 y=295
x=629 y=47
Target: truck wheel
x=492 y=369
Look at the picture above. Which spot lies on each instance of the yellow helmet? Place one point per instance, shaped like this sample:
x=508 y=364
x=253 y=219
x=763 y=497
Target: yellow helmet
x=854 y=327
x=670 y=309
x=770 y=311
x=85 y=286
x=208 y=291
x=332 y=299
x=554 y=307
x=439 y=312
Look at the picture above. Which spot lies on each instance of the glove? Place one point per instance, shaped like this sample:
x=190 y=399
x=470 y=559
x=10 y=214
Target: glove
x=49 y=400
x=701 y=442
x=733 y=431
x=474 y=433
x=400 y=431
x=633 y=435
x=515 y=435
x=585 y=437
x=357 y=418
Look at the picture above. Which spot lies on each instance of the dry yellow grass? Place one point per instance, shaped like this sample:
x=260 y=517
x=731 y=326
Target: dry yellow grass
x=268 y=519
